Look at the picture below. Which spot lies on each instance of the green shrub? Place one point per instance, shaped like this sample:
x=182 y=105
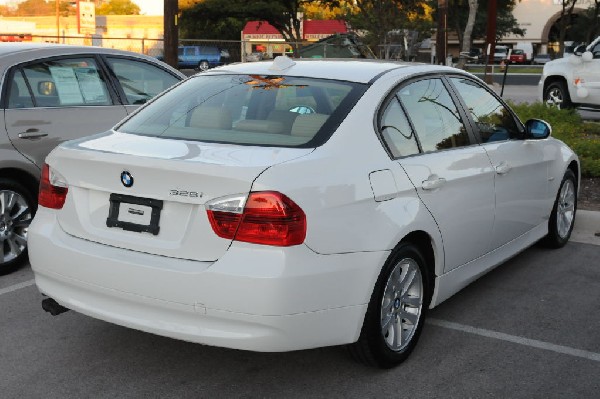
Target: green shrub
x=567 y=126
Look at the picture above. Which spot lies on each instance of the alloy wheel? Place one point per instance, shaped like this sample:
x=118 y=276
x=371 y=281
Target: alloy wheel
x=402 y=304
x=15 y=218
x=565 y=209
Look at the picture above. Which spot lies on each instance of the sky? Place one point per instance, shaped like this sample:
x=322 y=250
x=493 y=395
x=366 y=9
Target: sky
x=148 y=7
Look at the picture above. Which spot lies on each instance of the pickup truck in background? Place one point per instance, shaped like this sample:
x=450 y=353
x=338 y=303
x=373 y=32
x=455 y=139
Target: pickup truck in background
x=573 y=81
x=200 y=58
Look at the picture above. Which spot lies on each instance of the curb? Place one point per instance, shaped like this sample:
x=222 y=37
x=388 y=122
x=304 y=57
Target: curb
x=587 y=227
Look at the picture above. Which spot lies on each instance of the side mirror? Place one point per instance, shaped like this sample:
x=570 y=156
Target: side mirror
x=579 y=50
x=587 y=56
x=537 y=129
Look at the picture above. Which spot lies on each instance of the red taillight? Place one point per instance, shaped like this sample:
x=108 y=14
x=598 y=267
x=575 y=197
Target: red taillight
x=51 y=196
x=268 y=218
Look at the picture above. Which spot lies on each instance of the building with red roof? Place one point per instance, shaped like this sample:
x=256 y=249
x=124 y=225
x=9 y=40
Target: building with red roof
x=260 y=37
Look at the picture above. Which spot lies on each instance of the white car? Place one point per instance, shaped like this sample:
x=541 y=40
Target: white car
x=216 y=215
x=574 y=80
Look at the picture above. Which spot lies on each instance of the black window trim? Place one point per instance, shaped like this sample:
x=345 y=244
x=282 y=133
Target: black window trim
x=115 y=80
x=474 y=126
x=473 y=139
x=9 y=78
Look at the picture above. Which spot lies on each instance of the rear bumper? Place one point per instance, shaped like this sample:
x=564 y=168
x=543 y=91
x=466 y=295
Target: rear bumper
x=254 y=298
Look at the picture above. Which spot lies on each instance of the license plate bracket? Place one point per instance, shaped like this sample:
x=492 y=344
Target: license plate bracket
x=144 y=204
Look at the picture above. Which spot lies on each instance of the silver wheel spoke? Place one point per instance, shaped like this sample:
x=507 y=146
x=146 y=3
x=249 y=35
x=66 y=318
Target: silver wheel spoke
x=410 y=317
x=397 y=328
x=15 y=218
x=413 y=302
x=385 y=324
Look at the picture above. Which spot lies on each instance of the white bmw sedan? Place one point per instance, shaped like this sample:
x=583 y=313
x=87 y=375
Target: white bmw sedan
x=285 y=205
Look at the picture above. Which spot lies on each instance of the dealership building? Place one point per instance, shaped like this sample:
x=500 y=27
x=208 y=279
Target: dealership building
x=537 y=17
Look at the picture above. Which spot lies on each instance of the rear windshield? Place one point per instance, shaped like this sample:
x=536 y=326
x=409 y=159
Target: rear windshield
x=278 y=111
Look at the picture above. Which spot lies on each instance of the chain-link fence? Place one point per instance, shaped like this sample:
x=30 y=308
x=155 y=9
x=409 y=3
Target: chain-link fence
x=229 y=50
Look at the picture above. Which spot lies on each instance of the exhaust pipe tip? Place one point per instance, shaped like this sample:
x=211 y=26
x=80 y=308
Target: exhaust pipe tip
x=53 y=307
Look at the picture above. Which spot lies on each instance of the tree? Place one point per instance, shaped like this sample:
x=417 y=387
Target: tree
x=592 y=14
x=566 y=12
x=5 y=11
x=467 y=37
x=118 y=7
x=185 y=4
x=383 y=19
x=281 y=14
x=326 y=10
x=458 y=15
x=30 y=8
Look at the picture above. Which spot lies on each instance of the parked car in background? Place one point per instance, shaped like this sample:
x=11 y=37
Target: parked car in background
x=541 y=59
x=200 y=58
x=255 y=56
x=574 y=80
x=518 y=57
x=52 y=93
x=293 y=204
x=473 y=56
x=500 y=54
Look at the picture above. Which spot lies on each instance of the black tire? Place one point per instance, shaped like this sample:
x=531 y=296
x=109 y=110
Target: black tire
x=203 y=66
x=373 y=347
x=562 y=218
x=17 y=207
x=557 y=95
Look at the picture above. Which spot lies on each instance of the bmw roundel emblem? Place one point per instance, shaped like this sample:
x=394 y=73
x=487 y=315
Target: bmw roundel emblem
x=126 y=179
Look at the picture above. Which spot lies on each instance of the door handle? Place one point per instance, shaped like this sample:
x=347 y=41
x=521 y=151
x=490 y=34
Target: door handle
x=433 y=182
x=31 y=134
x=503 y=168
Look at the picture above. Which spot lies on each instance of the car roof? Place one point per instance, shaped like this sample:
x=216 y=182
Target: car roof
x=352 y=70
x=13 y=48
x=12 y=53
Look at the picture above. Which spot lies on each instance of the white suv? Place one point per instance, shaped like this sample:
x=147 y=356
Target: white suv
x=573 y=81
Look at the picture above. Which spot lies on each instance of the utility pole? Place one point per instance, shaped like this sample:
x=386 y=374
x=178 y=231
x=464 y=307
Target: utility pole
x=57 y=21
x=491 y=39
x=441 y=35
x=171 y=33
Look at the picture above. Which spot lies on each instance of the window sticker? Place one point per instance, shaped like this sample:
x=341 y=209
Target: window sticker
x=91 y=85
x=67 y=86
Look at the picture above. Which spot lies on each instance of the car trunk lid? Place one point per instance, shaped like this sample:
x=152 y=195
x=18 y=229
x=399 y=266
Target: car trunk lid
x=162 y=211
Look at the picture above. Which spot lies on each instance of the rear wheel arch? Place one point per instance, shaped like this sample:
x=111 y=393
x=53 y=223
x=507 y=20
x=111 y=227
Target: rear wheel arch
x=553 y=79
x=391 y=327
x=558 y=83
x=424 y=242
x=574 y=167
x=30 y=182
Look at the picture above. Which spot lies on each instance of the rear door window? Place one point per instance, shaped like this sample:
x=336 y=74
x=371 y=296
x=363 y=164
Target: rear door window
x=59 y=83
x=433 y=115
x=493 y=120
x=140 y=81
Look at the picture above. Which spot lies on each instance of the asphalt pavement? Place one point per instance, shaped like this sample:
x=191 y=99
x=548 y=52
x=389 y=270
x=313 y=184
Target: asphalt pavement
x=528 y=329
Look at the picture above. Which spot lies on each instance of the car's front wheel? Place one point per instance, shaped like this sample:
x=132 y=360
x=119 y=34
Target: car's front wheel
x=556 y=95
x=17 y=207
x=396 y=311
x=562 y=218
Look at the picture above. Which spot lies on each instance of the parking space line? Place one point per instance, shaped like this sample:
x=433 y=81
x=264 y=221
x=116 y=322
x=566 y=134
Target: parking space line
x=16 y=287
x=534 y=343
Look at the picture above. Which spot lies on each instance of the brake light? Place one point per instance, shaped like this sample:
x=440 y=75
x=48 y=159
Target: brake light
x=53 y=189
x=267 y=217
